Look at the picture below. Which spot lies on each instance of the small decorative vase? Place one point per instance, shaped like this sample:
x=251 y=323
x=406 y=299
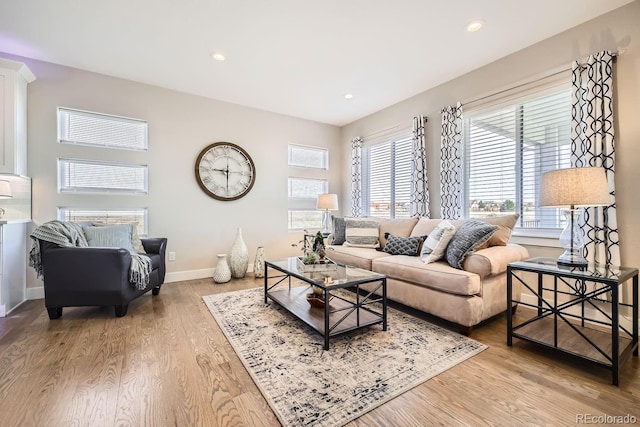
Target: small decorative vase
x=258 y=264
x=222 y=274
x=239 y=257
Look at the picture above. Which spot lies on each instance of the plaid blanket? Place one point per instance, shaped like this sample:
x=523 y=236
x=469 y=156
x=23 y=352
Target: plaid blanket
x=70 y=234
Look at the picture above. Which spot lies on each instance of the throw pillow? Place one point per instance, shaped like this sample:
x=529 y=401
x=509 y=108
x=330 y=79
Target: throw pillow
x=505 y=225
x=397 y=227
x=435 y=246
x=471 y=235
x=339 y=226
x=361 y=232
x=397 y=245
x=111 y=236
x=135 y=237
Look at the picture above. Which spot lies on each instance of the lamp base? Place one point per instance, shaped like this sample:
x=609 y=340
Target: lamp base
x=572 y=258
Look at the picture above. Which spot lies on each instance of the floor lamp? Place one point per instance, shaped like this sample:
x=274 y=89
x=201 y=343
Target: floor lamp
x=573 y=189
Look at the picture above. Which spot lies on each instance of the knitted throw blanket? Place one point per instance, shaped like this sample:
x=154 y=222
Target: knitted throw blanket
x=70 y=234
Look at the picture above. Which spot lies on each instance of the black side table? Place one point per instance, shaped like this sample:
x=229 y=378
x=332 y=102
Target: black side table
x=577 y=310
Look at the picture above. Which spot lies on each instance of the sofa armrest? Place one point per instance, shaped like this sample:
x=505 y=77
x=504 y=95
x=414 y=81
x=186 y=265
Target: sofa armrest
x=494 y=259
x=73 y=269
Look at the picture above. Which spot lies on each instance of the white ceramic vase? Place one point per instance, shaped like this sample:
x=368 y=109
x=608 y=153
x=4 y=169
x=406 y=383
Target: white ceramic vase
x=222 y=273
x=239 y=257
x=258 y=264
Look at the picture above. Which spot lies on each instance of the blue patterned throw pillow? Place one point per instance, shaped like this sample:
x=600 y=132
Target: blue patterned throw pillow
x=471 y=235
x=402 y=245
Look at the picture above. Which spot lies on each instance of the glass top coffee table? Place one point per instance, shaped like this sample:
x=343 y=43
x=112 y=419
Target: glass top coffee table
x=338 y=312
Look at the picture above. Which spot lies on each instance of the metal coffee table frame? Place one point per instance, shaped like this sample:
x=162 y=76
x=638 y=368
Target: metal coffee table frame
x=340 y=314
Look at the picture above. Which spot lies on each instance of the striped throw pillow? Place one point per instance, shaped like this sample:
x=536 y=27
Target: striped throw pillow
x=361 y=232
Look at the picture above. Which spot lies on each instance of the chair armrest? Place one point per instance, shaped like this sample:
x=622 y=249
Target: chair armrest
x=157 y=245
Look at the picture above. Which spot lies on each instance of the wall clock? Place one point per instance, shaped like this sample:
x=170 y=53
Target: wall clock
x=225 y=171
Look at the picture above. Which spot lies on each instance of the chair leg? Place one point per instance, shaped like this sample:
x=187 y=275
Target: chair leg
x=54 y=312
x=121 y=310
x=156 y=291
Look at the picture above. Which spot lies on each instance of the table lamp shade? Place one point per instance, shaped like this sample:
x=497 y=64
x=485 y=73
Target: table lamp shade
x=574 y=187
x=327 y=202
x=5 y=190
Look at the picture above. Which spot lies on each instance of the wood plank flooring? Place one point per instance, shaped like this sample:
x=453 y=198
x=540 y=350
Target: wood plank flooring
x=167 y=363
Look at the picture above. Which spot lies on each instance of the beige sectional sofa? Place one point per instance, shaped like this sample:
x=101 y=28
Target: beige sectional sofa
x=464 y=296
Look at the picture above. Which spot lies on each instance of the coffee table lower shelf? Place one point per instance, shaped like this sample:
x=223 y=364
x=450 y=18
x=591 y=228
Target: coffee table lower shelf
x=294 y=300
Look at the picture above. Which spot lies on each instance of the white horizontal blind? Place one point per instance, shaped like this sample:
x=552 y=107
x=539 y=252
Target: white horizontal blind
x=306 y=188
x=507 y=151
x=387 y=178
x=304 y=219
x=101 y=177
x=308 y=157
x=107 y=216
x=103 y=130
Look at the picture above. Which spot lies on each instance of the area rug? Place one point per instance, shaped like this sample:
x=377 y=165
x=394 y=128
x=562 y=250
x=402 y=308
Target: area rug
x=307 y=386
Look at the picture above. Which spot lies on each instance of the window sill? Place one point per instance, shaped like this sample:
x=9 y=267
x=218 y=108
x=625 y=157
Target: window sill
x=545 y=238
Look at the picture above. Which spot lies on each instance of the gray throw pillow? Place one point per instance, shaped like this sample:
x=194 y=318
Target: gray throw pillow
x=339 y=227
x=402 y=245
x=469 y=236
x=113 y=236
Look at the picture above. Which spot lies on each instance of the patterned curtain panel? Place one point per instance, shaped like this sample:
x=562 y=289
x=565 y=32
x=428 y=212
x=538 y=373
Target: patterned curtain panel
x=420 y=194
x=592 y=144
x=451 y=173
x=356 y=176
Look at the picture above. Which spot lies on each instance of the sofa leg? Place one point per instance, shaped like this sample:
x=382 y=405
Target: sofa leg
x=156 y=291
x=121 y=310
x=54 y=312
x=513 y=309
x=466 y=330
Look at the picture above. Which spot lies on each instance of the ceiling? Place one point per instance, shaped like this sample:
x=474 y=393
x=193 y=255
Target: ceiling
x=295 y=57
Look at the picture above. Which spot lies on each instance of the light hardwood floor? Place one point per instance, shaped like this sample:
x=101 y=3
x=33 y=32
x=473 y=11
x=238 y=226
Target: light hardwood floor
x=167 y=363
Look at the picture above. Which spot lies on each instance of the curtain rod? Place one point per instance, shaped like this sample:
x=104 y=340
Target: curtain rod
x=564 y=70
x=408 y=124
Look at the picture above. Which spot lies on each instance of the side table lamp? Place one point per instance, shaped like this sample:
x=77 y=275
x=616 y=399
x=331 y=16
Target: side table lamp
x=5 y=193
x=573 y=189
x=326 y=203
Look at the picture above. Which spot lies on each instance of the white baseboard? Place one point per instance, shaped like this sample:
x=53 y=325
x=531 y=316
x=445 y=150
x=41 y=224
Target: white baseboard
x=35 y=293
x=179 y=276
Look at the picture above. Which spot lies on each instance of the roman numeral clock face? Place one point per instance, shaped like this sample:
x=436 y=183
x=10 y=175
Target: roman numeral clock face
x=225 y=171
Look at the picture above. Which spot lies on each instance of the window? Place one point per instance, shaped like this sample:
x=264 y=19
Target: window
x=103 y=130
x=108 y=216
x=303 y=192
x=508 y=148
x=96 y=177
x=386 y=178
x=308 y=157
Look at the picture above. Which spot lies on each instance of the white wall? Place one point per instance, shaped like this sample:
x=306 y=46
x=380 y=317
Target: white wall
x=616 y=30
x=180 y=126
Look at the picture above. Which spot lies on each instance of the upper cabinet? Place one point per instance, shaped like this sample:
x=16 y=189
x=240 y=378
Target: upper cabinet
x=14 y=78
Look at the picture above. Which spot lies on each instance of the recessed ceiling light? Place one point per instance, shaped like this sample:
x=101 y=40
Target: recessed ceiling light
x=218 y=56
x=474 y=26
x=348 y=96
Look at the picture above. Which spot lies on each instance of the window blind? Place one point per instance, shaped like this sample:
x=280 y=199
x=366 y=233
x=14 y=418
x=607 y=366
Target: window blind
x=107 y=216
x=103 y=130
x=100 y=177
x=308 y=157
x=508 y=149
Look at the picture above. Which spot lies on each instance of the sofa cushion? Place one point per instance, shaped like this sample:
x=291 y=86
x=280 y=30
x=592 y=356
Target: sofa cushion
x=362 y=232
x=354 y=256
x=339 y=228
x=397 y=227
x=505 y=225
x=469 y=236
x=402 y=245
x=438 y=275
x=425 y=226
x=435 y=246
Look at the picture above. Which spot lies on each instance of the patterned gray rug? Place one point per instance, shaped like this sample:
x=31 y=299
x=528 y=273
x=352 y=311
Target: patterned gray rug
x=305 y=385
